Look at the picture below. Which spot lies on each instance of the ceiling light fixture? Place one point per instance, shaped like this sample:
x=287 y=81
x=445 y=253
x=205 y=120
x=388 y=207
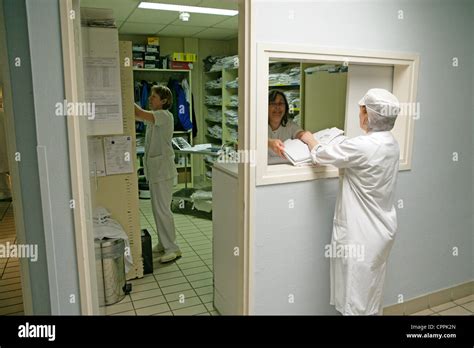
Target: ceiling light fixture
x=184 y=16
x=192 y=9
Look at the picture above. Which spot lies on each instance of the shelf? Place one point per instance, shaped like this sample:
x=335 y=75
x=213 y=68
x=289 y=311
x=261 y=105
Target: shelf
x=181 y=166
x=213 y=105
x=213 y=72
x=212 y=121
x=285 y=85
x=213 y=137
x=231 y=106
x=162 y=70
x=182 y=132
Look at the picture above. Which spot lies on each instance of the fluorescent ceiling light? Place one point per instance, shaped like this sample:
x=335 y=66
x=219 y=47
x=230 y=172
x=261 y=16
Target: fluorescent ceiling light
x=181 y=8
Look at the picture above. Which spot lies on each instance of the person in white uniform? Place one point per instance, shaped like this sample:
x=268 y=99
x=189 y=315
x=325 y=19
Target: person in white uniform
x=280 y=127
x=365 y=217
x=160 y=169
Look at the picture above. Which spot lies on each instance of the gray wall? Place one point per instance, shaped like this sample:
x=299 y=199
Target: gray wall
x=437 y=192
x=33 y=33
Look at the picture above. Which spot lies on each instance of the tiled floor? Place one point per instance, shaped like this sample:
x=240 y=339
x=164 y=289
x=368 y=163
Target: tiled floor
x=11 y=299
x=183 y=287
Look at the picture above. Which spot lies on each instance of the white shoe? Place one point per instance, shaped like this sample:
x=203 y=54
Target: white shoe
x=170 y=256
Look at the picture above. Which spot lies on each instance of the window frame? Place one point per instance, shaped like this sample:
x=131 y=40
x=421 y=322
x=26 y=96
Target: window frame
x=405 y=77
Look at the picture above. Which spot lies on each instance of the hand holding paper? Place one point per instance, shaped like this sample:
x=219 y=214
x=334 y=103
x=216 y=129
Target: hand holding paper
x=298 y=152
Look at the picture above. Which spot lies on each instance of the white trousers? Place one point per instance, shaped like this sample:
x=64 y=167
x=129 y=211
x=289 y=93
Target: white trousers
x=161 y=197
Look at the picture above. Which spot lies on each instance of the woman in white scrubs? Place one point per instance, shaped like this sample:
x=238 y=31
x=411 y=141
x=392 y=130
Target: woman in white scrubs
x=365 y=218
x=280 y=128
x=160 y=168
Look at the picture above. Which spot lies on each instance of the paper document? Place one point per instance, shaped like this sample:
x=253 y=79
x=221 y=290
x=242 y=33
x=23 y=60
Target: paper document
x=96 y=156
x=298 y=152
x=118 y=154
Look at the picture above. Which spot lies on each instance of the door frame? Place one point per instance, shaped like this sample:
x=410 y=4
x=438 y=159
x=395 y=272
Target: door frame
x=80 y=181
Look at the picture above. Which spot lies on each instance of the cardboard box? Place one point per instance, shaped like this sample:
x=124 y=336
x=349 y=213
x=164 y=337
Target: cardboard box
x=153 y=49
x=183 y=57
x=138 y=48
x=138 y=56
x=149 y=65
x=181 y=65
x=151 y=57
x=153 y=40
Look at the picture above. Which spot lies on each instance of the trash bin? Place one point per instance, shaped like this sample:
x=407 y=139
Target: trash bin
x=110 y=265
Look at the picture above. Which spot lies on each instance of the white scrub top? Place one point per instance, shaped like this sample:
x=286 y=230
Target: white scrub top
x=283 y=133
x=159 y=154
x=364 y=218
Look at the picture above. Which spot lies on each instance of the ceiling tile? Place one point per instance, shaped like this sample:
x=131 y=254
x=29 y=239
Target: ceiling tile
x=121 y=8
x=180 y=30
x=214 y=33
x=230 y=23
x=200 y=19
x=226 y=4
x=177 y=2
x=153 y=16
x=140 y=28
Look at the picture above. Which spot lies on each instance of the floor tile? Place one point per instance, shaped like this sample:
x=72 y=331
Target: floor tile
x=458 y=310
x=464 y=299
x=172 y=281
x=11 y=309
x=184 y=303
x=176 y=288
x=205 y=290
x=424 y=312
x=145 y=294
x=170 y=275
x=210 y=306
x=11 y=301
x=151 y=310
x=194 y=310
x=176 y=296
x=118 y=308
x=191 y=265
x=149 y=302
x=195 y=270
x=443 y=306
x=144 y=287
x=200 y=276
x=201 y=283
x=131 y=313
x=469 y=306
x=207 y=298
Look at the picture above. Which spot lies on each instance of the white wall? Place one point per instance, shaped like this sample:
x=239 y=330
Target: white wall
x=436 y=193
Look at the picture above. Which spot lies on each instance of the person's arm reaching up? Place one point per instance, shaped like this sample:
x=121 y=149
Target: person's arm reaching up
x=143 y=114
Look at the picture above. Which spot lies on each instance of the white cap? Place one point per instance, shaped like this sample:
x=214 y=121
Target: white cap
x=382 y=102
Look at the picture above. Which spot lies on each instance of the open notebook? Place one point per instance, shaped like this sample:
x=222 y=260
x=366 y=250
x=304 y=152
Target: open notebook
x=298 y=152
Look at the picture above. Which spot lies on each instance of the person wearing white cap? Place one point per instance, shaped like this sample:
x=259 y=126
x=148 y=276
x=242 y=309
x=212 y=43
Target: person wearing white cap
x=365 y=217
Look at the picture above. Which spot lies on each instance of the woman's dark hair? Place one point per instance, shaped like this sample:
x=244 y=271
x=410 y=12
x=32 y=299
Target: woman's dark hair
x=164 y=93
x=271 y=98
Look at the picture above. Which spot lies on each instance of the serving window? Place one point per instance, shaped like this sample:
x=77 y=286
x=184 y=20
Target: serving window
x=323 y=87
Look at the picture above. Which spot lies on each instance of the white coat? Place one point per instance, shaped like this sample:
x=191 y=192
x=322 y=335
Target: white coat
x=159 y=154
x=364 y=220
